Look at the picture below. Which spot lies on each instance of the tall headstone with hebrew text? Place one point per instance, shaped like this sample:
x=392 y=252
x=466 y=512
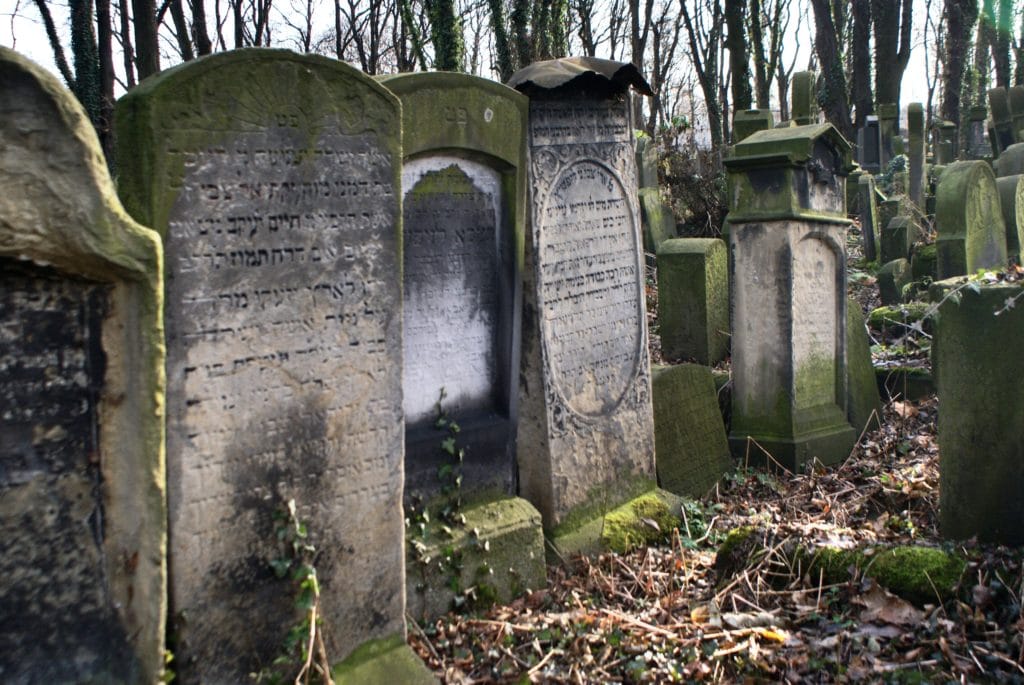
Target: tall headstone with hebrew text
x=788 y=275
x=916 y=152
x=586 y=441
x=464 y=188
x=274 y=181
x=82 y=506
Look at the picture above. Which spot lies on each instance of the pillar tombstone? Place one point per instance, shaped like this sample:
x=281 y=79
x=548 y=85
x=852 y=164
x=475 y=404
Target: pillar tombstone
x=869 y=226
x=869 y=145
x=274 y=181
x=915 y=152
x=748 y=121
x=82 y=500
x=585 y=440
x=978 y=146
x=944 y=142
x=803 y=100
x=788 y=269
x=889 y=124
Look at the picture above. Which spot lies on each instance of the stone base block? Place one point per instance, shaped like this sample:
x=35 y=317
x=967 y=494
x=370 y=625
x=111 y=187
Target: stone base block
x=388 y=660
x=644 y=520
x=496 y=555
x=831 y=446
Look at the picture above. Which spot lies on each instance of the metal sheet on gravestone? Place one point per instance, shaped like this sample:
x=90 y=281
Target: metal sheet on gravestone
x=58 y=622
x=453 y=328
x=283 y=382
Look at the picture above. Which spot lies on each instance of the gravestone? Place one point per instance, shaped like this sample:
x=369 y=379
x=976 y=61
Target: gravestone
x=693 y=299
x=1015 y=95
x=82 y=503
x=1002 y=120
x=692 y=449
x=748 y=121
x=868 y=216
x=1011 y=162
x=891 y=278
x=968 y=220
x=788 y=279
x=889 y=127
x=915 y=152
x=869 y=145
x=853 y=207
x=586 y=438
x=1011 y=202
x=804 y=100
x=981 y=456
x=863 y=404
x=646 y=161
x=977 y=144
x=659 y=224
x=464 y=188
x=273 y=179
x=944 y=142
x=898 y=237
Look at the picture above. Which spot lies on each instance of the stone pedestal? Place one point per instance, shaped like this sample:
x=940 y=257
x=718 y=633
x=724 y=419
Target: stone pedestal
x=803 y=100
x=788 y=272
x=889 y=128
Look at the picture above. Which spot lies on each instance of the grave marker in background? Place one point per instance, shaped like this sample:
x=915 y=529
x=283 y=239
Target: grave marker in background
x=915 y=153
x=968 y=220
x=82 y=507
x=804 y=103
x=869 y=145
x=273 y=179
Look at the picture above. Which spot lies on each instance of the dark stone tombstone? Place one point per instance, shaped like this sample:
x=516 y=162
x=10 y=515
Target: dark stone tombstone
x=978 y=146
x=82 y=507
x=1002 y=120
x=869 y=145
x=889 y=128
x=273 y=179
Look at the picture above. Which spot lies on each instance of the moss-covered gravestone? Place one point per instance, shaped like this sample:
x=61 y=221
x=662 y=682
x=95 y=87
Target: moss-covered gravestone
x=586 y=435
x=82 y=505
x=464 y=189
x=1011 y=162
x=693 y=299
x=1011 y=201
x=659 y=224
x=804 y=103
x=273 y=179
x=981 y=455
x=969 y=220
x=869 y=225
x=978 y=146
x=646 y=161
x=748 y=121
x=788 y=276
x=689 y=434
x=863 y=404
x=892 y=277
x=889 y=128
x=898 y=238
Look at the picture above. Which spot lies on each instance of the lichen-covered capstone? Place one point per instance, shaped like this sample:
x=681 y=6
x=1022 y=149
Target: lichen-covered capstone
x=82 y=506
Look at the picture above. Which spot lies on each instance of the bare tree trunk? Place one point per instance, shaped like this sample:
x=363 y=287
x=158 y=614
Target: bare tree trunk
x=892 y=23
x=1001 y=46
x=832 y=96
x=960 y=16
x=127 y=54
x=736 y=43
x=181 y=32
x=58 y=50
x=85 y=56
x=863 y=101
x=199 y=31
x=704 y=48
x=105 y=44
x=147 y=47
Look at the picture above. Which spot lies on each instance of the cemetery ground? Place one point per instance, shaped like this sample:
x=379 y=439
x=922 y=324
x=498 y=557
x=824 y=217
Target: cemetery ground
x=832 y=575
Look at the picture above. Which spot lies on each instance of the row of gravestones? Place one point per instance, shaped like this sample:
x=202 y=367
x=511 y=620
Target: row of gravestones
x=262 y=325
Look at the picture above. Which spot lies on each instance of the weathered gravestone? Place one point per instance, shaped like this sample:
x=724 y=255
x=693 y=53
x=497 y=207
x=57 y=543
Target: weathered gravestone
x=898 y=238
x=915 y=152
x=889 y=128
x=978 y=146
x=868 y=216
x=692 y=449
x=863 y=404
x=1002 y=121
x=658 y=222
x=273 y=179
x=82 y=506
x=586 y=438
x=748 y=121
x=869 y=145
x=892 y=277
x=853 y=203
x=1011 y=162
x=1011 y=202
x=1015 y=96
x=646 y=161
x=693 y=299
x=788 y=275
x=804 y=101
x=968 y=220
x=464 y=211
x=981 y=455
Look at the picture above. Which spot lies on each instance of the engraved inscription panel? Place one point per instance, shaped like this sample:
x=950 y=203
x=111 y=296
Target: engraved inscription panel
x=282 y=297
x=580 y=122
x=815 y=323
x=590 y=287
x=451 y=216
x=57 y=619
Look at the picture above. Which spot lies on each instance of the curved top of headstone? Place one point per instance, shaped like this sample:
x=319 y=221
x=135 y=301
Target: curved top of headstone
x=1011 y=161
x=443 y=109
x=66 y=210
x=967 y=209
x=999 y=102
x=794 y=144
x=567 y=75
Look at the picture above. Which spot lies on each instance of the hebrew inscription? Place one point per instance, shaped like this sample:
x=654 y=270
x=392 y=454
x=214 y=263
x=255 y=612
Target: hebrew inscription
x=282 y=296
x=815 y=323
x=590 y=287
x=452 y=213
x=57 y=619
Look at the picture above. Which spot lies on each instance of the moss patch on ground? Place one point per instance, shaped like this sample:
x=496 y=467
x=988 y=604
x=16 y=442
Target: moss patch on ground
x=645 y=520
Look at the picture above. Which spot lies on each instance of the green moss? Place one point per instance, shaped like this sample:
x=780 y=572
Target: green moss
x=600 y=500
x=890 y=317
x=918 y=574
x=387 y=660
x=646 y=520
